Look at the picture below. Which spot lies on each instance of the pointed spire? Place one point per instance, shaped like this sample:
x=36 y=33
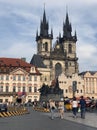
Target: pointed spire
x=44 y=16
x=67 y=28
x=51 y=32
x=75 y=36
x=67 y=19
x=60 y=39
x=37 y=35
x=70 y=27
x=44 y=27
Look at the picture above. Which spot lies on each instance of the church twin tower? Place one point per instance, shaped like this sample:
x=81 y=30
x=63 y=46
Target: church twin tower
x=62 y=57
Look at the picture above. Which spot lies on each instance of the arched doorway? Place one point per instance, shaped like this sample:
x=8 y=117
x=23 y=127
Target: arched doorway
x=58 y=69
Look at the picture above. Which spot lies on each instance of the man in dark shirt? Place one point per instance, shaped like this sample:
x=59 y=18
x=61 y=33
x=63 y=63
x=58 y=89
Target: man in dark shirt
x=82 y=107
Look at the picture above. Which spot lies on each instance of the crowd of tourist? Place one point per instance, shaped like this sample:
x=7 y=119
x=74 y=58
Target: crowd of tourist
x=75 y=105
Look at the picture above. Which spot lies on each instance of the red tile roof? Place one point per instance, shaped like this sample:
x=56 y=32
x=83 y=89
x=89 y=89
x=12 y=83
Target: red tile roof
x=16 y=63
x=13 y=62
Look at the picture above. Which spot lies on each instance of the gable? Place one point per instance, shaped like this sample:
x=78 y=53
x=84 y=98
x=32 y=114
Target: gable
x=87 y=74
x=95 y=74
x=19 y=71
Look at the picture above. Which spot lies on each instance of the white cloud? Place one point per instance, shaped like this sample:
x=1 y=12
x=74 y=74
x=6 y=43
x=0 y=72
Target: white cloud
x=19 y=50
x=19 y=20
x=87 y=51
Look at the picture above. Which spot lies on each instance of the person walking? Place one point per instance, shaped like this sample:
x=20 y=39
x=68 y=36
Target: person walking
x=74 y=107
x=82 y=104
x=61 y=109
x=52 y=108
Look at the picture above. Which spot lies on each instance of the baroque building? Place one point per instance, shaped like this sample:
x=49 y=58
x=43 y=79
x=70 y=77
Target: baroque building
x=90 y=83
x=57 y=58
x=18 y=79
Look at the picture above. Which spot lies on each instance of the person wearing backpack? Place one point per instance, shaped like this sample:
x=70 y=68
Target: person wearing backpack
x=82 y=107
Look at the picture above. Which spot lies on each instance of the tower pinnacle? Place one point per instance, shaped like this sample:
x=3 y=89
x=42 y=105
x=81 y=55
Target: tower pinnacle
x=44 y=28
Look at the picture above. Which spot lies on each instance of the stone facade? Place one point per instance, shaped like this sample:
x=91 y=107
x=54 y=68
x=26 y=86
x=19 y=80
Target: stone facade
x=45 y=76
x=66 y=84
x=60 y=56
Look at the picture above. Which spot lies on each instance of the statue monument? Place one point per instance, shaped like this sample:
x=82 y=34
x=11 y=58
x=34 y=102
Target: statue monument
x=51 y=92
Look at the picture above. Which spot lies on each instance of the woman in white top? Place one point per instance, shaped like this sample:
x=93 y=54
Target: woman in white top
x=74 y=107
x=52 y=108
x=61 y=109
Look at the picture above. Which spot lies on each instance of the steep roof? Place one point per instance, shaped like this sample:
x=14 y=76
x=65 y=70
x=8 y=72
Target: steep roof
x=91 y=72
x=15 y=62
x=37 y=61
x=12 y=63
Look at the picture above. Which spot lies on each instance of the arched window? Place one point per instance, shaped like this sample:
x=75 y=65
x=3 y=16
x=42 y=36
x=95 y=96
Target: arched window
x=66 y=91
x=69 y=48
x=46 y=46
x=58 y=69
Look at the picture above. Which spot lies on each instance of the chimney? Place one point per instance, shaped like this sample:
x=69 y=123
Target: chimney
x=23 y=58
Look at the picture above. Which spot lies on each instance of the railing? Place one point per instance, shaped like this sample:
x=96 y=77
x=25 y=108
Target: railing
x=8 y=93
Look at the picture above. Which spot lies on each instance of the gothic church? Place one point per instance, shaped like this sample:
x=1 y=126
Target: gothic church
x=60 y=58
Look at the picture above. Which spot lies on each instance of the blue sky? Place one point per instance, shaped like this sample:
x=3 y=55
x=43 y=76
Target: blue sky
x=20 y=19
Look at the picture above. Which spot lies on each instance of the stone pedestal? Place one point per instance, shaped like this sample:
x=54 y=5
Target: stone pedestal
x=55 y=97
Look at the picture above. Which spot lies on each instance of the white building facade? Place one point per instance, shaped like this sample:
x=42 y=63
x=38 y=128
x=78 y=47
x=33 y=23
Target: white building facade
x=18 y=79
x=66 y=84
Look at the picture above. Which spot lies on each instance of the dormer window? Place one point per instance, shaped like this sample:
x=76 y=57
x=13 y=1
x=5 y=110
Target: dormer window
x=32 y=70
